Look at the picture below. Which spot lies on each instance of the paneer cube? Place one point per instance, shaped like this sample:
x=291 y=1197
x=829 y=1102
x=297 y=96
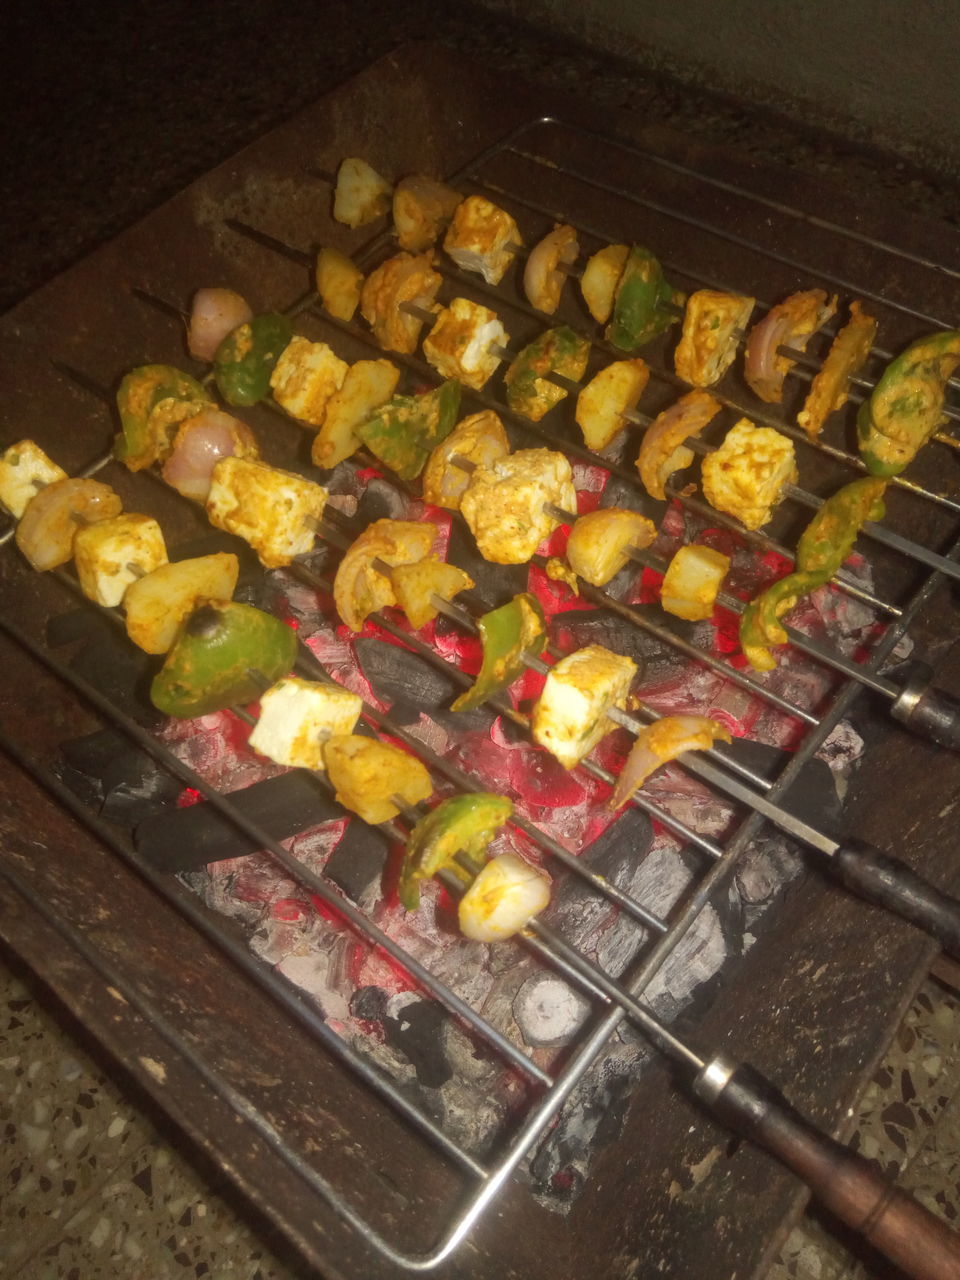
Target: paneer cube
x=305 y=377
x=24 y=470
x=367 y=774
x=482 y=237
x=745 y=477
x=692 y=582
x=570 y=716
x=459 y=344
x=274 y=510
x=298 y=716
x=112 y=554
x=505 y=504
x=155 y=605
x=713 y=324
x=361 y=194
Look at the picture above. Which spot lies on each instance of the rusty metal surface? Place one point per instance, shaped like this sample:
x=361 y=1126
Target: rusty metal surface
x=813 y=1003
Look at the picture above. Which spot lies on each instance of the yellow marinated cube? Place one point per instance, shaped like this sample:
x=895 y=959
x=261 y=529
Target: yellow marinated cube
x=459 y=344
x=570 y=716
x=693 y=581
x=112 y=554
x=24 y=470
x=505 y=504
x=298 y=716
x=305 y=377
x=746 y=476
x=275 y=511
x=482 y=237
x=367 y=774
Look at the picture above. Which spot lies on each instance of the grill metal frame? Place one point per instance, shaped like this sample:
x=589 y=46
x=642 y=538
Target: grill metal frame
x=489 y=1180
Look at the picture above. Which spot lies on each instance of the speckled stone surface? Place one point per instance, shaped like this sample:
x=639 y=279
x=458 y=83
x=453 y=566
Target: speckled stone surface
x=106 y=119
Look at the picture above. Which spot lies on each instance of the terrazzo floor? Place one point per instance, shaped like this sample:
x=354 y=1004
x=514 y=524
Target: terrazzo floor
x=91 y=1189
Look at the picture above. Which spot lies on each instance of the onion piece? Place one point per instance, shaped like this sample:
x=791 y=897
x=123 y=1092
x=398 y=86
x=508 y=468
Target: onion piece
x=503 y=899
x=52 y=519
x=662 y=450
x=213 y=314
x=200 y=443
x=543 y=276
x=789 y=323
x=600 y=278
x=664 y=740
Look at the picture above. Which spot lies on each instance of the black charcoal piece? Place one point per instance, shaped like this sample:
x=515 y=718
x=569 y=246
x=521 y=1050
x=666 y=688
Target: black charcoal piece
x=368 y=1004
x=187 y=839
x=417 y=1033
x=107 y=769
x=614 y=854
x=358 y=860
x=411 y=684
x=811 y=796
x=495 y=583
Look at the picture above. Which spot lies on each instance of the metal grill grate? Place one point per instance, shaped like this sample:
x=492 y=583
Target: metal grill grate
x=549 y=169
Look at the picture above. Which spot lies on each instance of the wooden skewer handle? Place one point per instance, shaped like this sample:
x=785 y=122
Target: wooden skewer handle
x=844 y=1183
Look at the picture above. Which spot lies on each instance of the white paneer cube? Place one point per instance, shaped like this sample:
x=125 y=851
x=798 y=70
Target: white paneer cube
x=482 y=237
x=459 y=344
x=112 y=554
x=305 y=377
x=298 y=716
x=505 y=503
x=746 y=475
x=693 y=581
x=24 y=470
x=156 y=604
x=570 y=716
x=274 y=510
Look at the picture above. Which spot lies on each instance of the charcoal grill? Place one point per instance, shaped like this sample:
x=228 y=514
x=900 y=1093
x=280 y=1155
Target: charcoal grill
x=144 y=962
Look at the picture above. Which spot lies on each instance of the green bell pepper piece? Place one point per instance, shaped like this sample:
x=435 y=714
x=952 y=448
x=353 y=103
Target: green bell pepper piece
x=153 y=400
x=645 y=304
x=464 y=825
x=509 y=634
x=906 y=406
x=406 y=430
x=824 y=545
x=559 y=350
x=246 y=358
x=222 y=655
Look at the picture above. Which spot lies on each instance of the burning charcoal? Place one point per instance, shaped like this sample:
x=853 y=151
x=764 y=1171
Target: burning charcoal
x=413 y=685
x=764 y=869
x=495 y=583
x=578 y=628
x=368 y=1004
x=416 y=1031
x=548 y=1011
x=615 y=854
x=379 y=501
x=188 y=839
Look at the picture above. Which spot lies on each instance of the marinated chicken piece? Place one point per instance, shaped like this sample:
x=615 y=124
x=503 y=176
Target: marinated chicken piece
x=112 y=554
x=479 y=439
x=53 y=517
x=610 y=394
x=156 y=604
x=459 y=344
x=482 y=237
x=305 y=377
x=416 y=585
x=368 y=384
x=339 y=281
x=361 y=194
x=600 y=278
x=544 y=275
x=422 y=207
x=505 y=504
x=275 y=511
x=570 y=716
x=503 y=899
x=830 y=388
x=789 y=324
x=403 y=278
x=298 y=716
x=24 y=470
x=713 y=325
x=746 y=475
x=693 y=581
x=599 y=542
x=360 y=587
x=662 y=449
x=367 y=774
